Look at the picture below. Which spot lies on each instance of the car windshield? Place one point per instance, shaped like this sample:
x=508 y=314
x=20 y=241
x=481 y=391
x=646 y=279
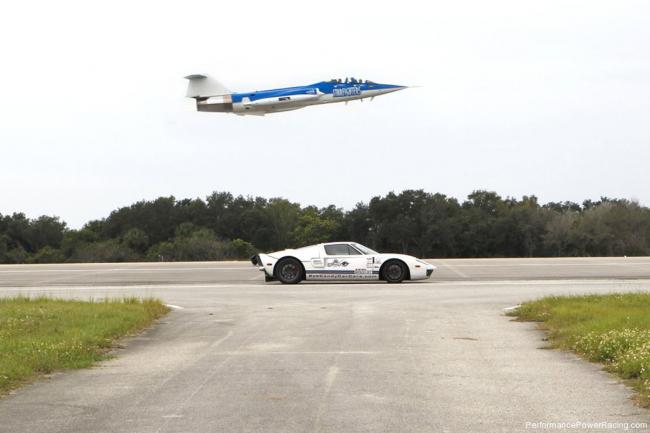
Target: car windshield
x=365 y=250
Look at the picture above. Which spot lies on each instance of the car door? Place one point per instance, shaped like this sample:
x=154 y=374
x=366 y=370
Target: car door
x=344 y=262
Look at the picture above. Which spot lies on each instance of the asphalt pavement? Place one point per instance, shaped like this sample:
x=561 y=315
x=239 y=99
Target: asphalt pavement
x=240 y=355
x=127 y=274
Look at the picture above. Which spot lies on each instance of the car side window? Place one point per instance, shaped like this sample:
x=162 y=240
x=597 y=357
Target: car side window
x=337 y=250
x=341 y=250
x=353 y=251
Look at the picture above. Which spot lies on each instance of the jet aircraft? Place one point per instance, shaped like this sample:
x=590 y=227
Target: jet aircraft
x=212 y=96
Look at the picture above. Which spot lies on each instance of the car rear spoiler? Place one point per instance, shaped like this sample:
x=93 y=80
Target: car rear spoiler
x=255 y=260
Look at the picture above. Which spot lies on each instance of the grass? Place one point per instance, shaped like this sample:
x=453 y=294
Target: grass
x=41 y=335
x=611 y=329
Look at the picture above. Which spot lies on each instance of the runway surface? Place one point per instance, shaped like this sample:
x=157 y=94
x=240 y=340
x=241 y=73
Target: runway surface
x=127 y=274
x=239 y=355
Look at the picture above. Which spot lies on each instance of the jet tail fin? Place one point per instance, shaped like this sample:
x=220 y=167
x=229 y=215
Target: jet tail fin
x=203 y=86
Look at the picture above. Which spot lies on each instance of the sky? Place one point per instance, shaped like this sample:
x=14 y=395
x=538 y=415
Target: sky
x=520 y=97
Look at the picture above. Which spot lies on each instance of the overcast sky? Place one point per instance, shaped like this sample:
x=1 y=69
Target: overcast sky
x=522 y=97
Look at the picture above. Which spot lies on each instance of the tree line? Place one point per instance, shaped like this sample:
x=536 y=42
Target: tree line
x=224 y=226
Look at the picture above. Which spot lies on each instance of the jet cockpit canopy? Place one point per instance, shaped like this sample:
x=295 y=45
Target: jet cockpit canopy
x=351 y=80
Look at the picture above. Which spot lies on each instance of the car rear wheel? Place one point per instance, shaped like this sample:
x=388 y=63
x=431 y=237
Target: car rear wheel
x=288 y=271
x=393 y=271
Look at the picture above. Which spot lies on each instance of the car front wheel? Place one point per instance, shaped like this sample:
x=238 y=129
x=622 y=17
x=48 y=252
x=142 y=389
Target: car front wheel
x=394 y=271
x=288 y=271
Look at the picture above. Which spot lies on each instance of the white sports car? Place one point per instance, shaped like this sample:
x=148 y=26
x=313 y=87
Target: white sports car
x=340 y=261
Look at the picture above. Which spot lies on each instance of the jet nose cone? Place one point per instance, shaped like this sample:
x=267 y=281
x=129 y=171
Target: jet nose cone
x=388 y=88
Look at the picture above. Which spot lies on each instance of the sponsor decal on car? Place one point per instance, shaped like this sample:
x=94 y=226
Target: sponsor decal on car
x=341 y=276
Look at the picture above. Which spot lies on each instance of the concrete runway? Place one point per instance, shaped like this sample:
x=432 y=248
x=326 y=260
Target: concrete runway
x=127 y=274
x=239 y=355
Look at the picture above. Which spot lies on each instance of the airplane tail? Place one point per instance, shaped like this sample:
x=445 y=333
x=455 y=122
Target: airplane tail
x=203 y=86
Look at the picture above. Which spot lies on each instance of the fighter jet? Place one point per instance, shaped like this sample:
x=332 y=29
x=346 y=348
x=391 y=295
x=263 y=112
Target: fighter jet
x=212 y=96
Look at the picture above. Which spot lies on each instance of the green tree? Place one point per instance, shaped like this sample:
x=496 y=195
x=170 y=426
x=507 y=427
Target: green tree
x=358 y=225
x=314 y=228
x=283 y=218
x=111 y=250
x=47 y=254
x=558 y=239
x=520 y=227
x=73 y=240
x=45 y=231
x=4 y=247
x=440 y=227
x=411 y=221
x=136 y=239
x=239 y=249
x=479 y=235
x=190 y=244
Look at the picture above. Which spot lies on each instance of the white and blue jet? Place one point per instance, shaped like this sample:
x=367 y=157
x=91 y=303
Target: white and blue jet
x=212 y=96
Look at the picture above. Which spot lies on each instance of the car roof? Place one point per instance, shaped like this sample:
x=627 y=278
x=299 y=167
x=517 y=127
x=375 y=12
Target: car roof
x=338 y=242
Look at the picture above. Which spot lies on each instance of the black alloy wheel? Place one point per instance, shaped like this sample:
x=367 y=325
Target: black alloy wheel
x=394 y=271
x=288 y=271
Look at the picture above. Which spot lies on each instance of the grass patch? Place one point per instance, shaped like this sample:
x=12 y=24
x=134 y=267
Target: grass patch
x=611 y=329
x=41 y=335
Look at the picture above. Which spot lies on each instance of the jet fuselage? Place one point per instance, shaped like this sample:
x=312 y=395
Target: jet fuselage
x=262 y=102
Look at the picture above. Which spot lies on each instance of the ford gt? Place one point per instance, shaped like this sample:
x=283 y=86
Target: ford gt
x=340 y=261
